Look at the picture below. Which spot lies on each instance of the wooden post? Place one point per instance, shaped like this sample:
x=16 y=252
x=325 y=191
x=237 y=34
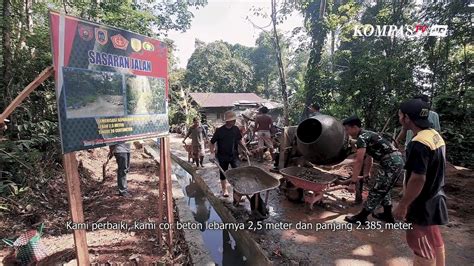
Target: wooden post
x=161 y=192
x=75 y=205
x=166 y=189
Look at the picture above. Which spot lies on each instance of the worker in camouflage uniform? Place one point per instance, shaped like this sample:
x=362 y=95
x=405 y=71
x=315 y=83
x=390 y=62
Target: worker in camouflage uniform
x=391 y=162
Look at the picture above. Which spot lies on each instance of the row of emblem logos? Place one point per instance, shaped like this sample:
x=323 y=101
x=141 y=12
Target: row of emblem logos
x=119 y=42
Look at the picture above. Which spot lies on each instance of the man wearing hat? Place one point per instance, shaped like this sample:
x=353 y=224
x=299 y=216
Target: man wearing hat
x=390 y=159
x=227 y=138
x=423 y=203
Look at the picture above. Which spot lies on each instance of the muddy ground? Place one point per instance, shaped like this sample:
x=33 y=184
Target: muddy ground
x=101 y=204
x=340 y=245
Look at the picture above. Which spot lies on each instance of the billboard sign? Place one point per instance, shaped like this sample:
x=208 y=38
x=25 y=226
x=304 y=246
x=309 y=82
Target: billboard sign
x=111 y=84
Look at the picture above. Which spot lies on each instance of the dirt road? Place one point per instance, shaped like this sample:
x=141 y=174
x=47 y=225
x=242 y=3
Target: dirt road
x=336 y=244
x=104 y=105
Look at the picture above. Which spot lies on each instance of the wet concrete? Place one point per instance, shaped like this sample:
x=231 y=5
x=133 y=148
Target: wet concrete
x=330 y=241
x=219 y=243
x=200 y=255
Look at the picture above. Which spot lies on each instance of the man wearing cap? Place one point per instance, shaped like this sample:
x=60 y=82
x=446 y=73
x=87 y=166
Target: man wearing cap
x=391 y=162
x=423 y=203
x=227 y=138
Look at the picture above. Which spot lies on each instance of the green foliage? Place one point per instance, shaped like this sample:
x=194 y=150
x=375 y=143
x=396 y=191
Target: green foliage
x=456 y=118
x=213 y=68
x=370 y=76
x=31 y=153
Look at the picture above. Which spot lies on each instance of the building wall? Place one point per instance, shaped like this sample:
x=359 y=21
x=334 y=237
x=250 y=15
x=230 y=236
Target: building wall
x=215 y=115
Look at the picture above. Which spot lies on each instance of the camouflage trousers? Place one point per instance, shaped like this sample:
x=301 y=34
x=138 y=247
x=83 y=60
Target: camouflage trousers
x=386 y=177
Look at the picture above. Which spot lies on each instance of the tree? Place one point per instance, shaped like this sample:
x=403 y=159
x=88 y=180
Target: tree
x=281 y=66
x=278 y=14
x=213 y=68
x=263 y=61
x=32 y=140
x=314 y=12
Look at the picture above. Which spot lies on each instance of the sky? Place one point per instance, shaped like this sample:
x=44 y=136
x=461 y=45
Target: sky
x=226 y=20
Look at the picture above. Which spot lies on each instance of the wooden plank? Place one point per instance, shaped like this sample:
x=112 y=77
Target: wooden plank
x=75 y=206
x=26 y=91
x=165 y=166
x=169 y=194
x=161 y=193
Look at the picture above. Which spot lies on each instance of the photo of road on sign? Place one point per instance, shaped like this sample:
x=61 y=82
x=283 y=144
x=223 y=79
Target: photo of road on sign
x=93 y=93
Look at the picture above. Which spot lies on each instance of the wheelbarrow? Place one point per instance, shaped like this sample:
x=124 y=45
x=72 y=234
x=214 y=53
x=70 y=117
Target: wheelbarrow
x=251 y=181
x=313 y=182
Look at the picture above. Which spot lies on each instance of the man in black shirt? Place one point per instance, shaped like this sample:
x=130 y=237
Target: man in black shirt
x=227 y=137
x=423 y=203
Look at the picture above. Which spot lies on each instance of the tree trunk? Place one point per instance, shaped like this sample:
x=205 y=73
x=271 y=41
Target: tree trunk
x=93 y=10
x=318 y=36
x=267 y=87
x=7 y=53
x=281 y=67
x=333 y=36
x=29 y=15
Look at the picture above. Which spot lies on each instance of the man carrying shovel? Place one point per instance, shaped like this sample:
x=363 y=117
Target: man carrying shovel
x=227 y=138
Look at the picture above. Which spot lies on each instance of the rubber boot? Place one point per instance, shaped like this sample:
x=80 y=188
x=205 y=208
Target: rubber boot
x=201 y=159
x=386 y=215
x=360 y=217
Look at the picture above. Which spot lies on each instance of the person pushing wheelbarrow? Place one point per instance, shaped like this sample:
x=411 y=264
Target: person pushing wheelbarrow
x=227 y=138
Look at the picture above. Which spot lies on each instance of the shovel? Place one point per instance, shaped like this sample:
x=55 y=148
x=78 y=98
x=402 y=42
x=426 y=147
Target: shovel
x=104 y=166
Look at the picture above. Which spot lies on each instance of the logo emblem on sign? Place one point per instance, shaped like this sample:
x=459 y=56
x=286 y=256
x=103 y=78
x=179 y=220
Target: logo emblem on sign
x=119 y=42
x=148 y=46
x=136 y=44
x=101 y=36
x=85 y=32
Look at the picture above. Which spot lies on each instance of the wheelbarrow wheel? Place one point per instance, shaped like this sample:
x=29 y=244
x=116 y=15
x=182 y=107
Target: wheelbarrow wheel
x=295 y=194
x=292 y=193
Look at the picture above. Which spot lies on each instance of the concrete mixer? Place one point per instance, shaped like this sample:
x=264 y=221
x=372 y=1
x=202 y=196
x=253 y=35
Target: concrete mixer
x=320 y=140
